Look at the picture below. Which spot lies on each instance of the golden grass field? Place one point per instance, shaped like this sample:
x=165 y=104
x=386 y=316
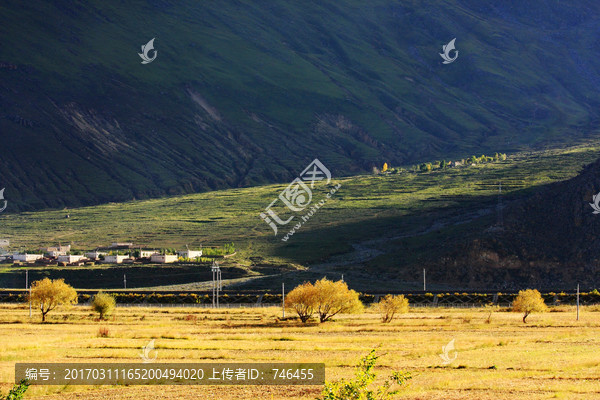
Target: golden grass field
x=552 y=356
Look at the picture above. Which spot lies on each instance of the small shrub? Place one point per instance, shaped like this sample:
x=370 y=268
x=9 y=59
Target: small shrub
x=358 y=388
x=103 y=304
x=17 y=392
x=103 y=332
x=390 y=306
x=490 y=308
x=190 y=317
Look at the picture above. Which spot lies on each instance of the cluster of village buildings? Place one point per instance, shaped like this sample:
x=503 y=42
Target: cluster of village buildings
x=110 y=255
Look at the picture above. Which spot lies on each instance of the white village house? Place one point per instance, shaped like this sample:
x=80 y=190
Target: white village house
x=95 y=255
x=147 y=253
x=116 y=259
x=163 y=258
x=27 y=257
x=191 y=254
x=57 y=250
x=71 y=258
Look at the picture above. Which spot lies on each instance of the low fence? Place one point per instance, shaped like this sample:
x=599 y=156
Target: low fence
x=257 y=298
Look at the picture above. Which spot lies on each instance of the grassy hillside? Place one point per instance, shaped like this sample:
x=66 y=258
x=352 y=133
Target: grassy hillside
x=245 y=93
x=385 y=223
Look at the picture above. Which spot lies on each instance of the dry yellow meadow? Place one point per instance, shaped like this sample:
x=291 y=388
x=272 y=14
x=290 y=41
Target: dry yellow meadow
x=552 y=356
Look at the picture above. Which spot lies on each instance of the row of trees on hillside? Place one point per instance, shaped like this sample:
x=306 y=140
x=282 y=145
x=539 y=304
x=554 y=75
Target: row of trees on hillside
x=473 y=160
x=443 y=164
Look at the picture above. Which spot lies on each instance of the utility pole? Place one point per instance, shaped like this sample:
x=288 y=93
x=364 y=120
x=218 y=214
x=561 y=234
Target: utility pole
x=424 y=280
x=28 y=287
x=500 y=216
x=577 y=302
x=283 y=299
x=216 y=284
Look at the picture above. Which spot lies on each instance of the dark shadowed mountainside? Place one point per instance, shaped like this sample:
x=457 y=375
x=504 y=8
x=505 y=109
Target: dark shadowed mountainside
x=549 y=240
x=243 y=92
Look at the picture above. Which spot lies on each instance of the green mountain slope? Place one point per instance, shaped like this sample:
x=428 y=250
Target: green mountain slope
x=243 y=92
x=377 y=230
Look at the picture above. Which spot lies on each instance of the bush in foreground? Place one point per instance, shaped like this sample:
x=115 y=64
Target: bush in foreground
x=49 y=294
x=529 y=301
x=358 y=388
x=390 y=305
x=18 y=391
x=103 y=304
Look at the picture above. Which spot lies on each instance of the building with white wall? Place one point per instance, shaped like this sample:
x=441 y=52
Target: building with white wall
x=27 y=257
x=116 y=259
x=163 y=258
x=191 y=254
x=72 y=258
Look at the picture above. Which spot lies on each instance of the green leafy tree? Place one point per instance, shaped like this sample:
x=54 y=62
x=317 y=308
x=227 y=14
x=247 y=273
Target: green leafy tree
x=103 y=304
x=359 y=387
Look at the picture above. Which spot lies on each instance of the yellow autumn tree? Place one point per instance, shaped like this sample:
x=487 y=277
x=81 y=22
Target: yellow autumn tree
x=302 y=300
x=390 y=305
x=49 y=294
x=333 y=298
x=529 y=301
x=385 y=167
